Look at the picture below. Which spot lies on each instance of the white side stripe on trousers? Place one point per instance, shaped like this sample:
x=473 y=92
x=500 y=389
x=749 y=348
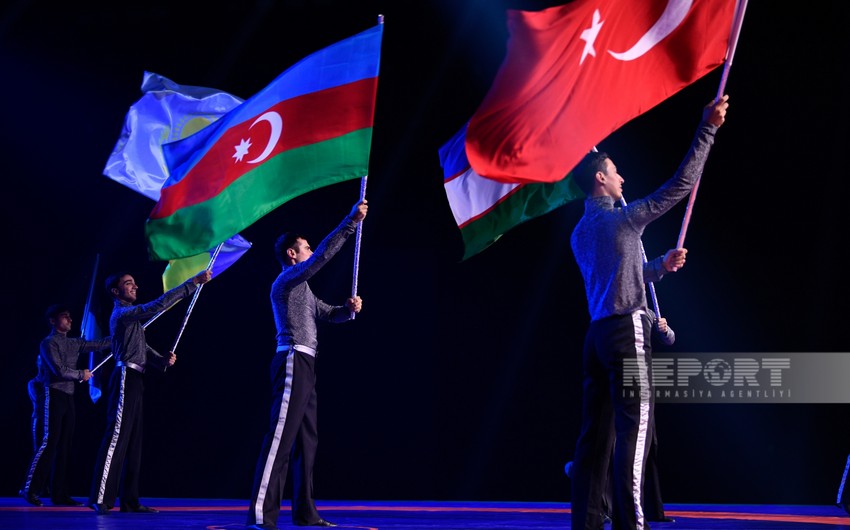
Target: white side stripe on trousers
x=278 y=432
x=643 y=425
x=101 y=491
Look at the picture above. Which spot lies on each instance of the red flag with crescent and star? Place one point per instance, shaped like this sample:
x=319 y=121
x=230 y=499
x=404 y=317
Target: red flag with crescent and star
x=575 y=73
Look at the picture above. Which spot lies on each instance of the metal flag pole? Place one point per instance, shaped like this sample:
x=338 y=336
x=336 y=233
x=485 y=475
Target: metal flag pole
x=357 y=237
x=87 y=315
x=87 y=310
x=195 y=299
x=359 y=233
x=101 y=363
x=156 y=316
x=730 y=54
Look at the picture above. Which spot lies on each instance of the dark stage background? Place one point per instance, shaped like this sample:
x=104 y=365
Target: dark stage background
x=459 y=380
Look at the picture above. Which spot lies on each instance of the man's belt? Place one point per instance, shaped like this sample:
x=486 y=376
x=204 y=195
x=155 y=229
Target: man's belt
x=134 y=366
x=298 y=347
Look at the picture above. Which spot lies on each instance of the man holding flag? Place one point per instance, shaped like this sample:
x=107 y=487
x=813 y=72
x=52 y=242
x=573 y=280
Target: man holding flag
x=292 y=432
x=58 y=373
x=123 y=437
x=618 y=400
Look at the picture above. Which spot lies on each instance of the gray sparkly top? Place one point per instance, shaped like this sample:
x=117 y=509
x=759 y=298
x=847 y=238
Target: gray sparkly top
x=606 y=240
x=60 y=353
x=128 y=330
x=296 y=309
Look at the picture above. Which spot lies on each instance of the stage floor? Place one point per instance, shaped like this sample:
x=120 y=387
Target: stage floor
x=215 y=514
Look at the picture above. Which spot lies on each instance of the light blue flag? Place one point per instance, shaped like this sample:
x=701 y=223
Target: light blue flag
x=167 y=112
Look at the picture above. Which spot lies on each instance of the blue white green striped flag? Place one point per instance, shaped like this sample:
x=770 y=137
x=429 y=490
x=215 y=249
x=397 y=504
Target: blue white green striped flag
x=484 y=209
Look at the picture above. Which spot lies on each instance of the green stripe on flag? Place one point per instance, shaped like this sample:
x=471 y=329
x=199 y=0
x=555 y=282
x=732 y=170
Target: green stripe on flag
x=530 y=201
x=197 y=228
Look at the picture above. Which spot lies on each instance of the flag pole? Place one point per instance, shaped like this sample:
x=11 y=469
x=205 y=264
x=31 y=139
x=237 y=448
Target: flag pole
x=359 y=233
x=737 y=22
x=87 y=315
x=156 y=316
x=357 y=237
x=93 y=370
x=195 y=298
x=87 y=309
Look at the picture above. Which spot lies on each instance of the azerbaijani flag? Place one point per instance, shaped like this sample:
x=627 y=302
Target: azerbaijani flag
x=485 y=209
x=311 y=127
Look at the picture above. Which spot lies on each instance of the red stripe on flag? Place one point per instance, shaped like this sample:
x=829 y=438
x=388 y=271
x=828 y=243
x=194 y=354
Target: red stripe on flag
x=307 y=119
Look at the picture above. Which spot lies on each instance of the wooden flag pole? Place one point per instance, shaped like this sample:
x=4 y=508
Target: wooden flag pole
x=730 y=53
x=357 y=237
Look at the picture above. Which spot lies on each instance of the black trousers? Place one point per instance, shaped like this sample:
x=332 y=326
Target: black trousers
x=35 y=390
x=653 y=505
x=51 y=456
x=121 y=449
x=292 y=437
x=617 y=414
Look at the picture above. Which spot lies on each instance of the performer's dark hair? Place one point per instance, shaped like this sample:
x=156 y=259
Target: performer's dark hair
x=283 y=243
x=585 y=171
x=54 y=310
x=112 y=281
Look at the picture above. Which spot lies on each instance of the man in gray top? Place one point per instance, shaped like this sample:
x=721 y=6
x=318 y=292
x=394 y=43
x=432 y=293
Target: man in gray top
x=58 y=373
x=292 y=433
x=120 y=456
x=617 y=409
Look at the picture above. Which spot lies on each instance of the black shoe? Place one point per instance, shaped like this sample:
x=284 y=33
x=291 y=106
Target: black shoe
x=100 y=509
x=30 y=498
x=320 y=522
x=67 y=501
x=138 y=509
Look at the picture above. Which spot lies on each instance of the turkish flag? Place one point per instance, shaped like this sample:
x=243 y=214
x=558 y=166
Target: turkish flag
x=575 y=73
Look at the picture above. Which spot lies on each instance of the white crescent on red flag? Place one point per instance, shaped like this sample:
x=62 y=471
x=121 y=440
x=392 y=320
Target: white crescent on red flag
x=575 y=73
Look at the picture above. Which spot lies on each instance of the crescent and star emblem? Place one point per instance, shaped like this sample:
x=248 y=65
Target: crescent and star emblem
x=276 y=123
x=673 y=15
